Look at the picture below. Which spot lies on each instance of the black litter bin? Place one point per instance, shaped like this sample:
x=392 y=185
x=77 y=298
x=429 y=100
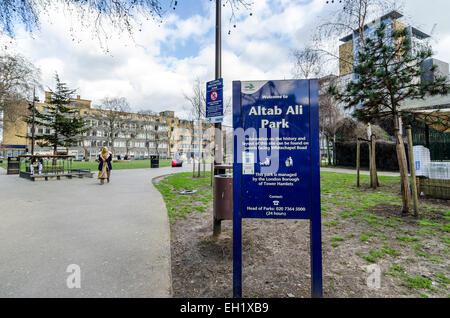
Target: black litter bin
x=223 y=197
x=154 y=161
x=13 y=165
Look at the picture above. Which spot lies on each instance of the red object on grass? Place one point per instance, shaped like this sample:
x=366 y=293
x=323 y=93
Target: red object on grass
x=177 y=163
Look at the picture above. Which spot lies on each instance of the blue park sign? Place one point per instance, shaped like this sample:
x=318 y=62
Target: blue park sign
x=276 y=170
x=214 y=101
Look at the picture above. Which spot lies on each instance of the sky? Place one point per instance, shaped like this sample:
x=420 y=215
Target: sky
x=157 y=68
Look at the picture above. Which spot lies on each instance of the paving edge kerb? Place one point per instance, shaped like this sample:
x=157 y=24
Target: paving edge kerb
x=168 y=224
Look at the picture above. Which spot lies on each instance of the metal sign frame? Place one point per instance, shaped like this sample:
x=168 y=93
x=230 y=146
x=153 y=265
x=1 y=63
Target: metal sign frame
x=314 y=183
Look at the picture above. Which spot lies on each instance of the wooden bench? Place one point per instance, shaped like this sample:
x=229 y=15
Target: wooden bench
x=58 y=176
x=49 y=174
x=47 y=170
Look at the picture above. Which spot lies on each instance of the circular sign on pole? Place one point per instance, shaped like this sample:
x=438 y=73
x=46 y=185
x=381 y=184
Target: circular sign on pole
x=214 y=96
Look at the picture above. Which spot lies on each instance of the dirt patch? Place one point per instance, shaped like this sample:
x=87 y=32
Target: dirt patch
x=391 y=211
x=412 y=256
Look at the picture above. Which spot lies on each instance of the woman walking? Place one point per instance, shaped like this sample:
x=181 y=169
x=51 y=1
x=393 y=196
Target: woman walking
x=104 y=165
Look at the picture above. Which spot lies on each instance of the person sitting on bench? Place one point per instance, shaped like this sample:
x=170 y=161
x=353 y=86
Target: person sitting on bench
x=36 y=162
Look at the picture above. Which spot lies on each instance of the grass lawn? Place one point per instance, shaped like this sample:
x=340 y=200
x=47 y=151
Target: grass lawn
x=181 y=205
x=360 y=227
x=133 y=164
x=337 y=190
x=92 y=165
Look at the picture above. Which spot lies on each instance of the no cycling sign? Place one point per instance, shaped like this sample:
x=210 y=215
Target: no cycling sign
x=214 y=101
x=214 y=96
x=276 y=169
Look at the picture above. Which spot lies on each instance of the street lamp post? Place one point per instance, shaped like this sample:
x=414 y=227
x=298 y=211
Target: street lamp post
x=32 y=108
x=218 y=126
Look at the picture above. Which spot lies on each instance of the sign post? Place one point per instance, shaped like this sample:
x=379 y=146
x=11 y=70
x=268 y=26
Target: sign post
x=276 y=170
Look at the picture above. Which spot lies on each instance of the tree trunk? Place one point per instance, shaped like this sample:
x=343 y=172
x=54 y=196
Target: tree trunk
x=370 y=162
x=373 y=164
x=402 y=164
x=328 y=150
x=204 y=167
x=55 y=149
x=412 y=169
x=199 y=151
x=320 y=150
x=212 y=172
x=334 y=150
x=358 y=161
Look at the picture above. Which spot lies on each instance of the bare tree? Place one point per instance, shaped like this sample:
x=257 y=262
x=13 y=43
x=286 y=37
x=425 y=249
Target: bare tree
x=84 y=145
x=350 y=129
x=330 y=116
x=130 y=134
x=122 y=15
x=148 y=131
x=307 y=63
x=161 y=136
x=18 y=78
x=113 y=111
x=350 y=16
x=149 y=138
x=346 y=17
x=197 y=101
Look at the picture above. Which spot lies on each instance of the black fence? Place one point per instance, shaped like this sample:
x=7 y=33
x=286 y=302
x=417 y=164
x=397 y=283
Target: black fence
x=437 y=142
x=386 y=155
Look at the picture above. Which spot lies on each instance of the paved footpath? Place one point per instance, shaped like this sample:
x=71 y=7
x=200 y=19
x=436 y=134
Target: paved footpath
x=118 y=234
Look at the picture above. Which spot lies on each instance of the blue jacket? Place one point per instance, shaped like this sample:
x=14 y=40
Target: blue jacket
x=108 y=161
